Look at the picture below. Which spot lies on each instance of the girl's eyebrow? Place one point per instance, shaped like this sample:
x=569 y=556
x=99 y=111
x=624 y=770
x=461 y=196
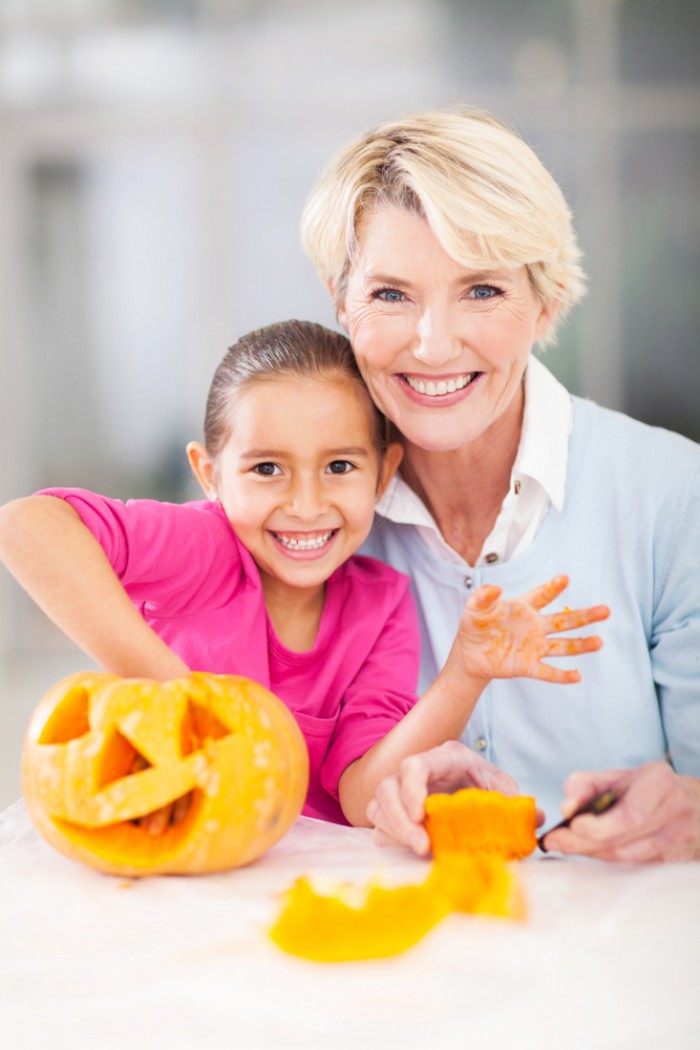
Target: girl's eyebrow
x=271 y=453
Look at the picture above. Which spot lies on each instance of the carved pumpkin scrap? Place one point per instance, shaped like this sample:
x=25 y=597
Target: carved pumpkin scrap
x=473 y=820
x=479 y=884
x=138 y=777
x=348 y=922
x=351 y=922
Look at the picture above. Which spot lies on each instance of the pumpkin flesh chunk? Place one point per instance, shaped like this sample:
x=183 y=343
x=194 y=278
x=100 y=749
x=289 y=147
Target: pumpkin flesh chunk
x=473 y=820
x=349 y=923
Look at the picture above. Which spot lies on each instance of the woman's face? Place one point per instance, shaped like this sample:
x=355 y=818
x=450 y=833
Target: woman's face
x=442 y=348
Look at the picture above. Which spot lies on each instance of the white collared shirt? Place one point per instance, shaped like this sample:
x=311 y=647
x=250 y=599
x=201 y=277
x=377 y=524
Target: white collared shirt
x=538 y=478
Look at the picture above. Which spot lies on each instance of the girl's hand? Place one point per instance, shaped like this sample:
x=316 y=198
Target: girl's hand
x=509 y=638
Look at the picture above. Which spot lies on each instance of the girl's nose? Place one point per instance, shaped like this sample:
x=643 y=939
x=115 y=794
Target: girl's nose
x=437 y=342
x=306 y=499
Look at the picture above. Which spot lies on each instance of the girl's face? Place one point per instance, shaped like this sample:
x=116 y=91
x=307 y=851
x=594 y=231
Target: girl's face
x=299 y=474
x=442 y=349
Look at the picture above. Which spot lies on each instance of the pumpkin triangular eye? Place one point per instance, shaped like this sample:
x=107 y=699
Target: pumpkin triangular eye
x=202 y=725
x=69 y=719
x=118 y=758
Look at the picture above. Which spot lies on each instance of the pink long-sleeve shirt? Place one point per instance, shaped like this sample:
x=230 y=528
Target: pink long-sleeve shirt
x=198 y=587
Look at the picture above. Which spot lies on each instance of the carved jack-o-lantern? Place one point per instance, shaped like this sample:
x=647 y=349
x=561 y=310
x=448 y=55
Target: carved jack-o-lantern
x=105 y=758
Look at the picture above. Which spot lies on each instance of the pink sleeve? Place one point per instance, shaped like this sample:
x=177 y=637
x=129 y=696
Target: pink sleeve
x=166 y=555
x=383 y=690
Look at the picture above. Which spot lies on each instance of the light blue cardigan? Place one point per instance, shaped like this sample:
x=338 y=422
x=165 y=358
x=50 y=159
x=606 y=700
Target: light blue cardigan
x=628 y=537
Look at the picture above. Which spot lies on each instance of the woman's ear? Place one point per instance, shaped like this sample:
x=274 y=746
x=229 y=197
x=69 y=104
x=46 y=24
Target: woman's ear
x=390 y=464
x=546 y=317
x=202 y=468
x=340 y=311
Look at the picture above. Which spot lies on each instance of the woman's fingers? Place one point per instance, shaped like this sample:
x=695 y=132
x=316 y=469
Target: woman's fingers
x=393 y=826
x=656 y=819
x=397 y=810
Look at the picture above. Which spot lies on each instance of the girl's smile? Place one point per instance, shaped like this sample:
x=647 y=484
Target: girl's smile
x=305 y=544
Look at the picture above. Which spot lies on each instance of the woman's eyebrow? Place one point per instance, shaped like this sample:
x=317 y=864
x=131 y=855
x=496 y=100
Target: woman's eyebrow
x=468 y=277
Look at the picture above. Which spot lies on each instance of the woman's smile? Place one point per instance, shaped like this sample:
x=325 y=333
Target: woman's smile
x=438 y=389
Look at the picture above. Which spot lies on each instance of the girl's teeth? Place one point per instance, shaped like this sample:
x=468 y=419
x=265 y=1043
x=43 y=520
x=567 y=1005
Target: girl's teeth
x=442 y=386
x=297 y=544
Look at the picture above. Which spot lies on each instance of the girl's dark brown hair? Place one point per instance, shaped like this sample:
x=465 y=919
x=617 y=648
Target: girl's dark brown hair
x=288 y=348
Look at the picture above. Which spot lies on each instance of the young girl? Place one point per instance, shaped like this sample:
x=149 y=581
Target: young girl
x=262 y=579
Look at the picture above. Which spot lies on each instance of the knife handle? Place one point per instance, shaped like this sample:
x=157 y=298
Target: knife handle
x=600 y=803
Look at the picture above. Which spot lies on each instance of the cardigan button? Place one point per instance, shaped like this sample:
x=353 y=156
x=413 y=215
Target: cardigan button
x=480 y=743
x=469 y=582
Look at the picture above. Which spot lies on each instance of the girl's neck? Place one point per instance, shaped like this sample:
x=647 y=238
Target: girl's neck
x=294 y=612
x=464 y=489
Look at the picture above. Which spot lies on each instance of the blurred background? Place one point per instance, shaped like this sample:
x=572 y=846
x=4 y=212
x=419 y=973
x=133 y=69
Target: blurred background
x=154 y=160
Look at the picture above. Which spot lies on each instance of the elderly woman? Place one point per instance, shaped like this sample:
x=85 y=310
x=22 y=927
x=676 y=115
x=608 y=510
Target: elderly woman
x=449 y=251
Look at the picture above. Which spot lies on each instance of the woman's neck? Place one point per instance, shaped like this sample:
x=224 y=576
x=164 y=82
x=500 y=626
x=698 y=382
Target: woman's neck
x=294 y=612
x=464 y=489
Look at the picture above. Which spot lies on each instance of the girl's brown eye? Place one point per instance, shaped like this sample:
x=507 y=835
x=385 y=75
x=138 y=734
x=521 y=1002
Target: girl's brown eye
x=266 y=470
x=340 y=466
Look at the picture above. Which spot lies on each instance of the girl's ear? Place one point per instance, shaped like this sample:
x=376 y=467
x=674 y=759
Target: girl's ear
x=202 y=468
x=390 y=464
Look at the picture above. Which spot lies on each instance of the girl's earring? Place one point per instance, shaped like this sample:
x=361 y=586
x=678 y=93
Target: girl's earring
x=213 y=494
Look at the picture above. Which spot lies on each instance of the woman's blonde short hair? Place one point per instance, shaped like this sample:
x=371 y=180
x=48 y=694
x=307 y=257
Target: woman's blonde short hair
x=486 y=195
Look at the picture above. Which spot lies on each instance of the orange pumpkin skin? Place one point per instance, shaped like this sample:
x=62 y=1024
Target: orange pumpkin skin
x=103 y=752
x=476 y=821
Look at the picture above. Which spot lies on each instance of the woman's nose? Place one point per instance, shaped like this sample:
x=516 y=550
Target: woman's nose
x=437 y=342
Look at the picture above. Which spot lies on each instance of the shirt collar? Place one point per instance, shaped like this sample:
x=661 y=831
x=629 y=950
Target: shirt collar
x=542 y=455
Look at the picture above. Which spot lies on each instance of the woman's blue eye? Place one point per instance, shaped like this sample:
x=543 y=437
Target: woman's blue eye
x=266 y=470
x=388 y=295
x=340 y=466
x=485 y=291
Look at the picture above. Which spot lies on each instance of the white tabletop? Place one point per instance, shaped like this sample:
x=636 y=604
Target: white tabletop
x=608 y=958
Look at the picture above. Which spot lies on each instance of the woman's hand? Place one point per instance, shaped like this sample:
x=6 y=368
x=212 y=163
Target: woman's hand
x=656 y=819
x=397 y=810
x=509 y=638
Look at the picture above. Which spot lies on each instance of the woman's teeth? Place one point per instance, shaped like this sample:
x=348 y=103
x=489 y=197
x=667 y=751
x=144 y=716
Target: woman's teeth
x=298 y=543
x=442 y=386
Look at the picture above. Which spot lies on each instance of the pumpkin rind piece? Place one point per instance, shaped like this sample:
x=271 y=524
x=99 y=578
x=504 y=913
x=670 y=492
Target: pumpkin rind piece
x=223 y=743
x=480 y=884
x=349 y=922
x=474 y=820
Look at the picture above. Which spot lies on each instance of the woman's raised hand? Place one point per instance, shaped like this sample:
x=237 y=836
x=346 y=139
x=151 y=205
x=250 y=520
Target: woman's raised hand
x=510 y=638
